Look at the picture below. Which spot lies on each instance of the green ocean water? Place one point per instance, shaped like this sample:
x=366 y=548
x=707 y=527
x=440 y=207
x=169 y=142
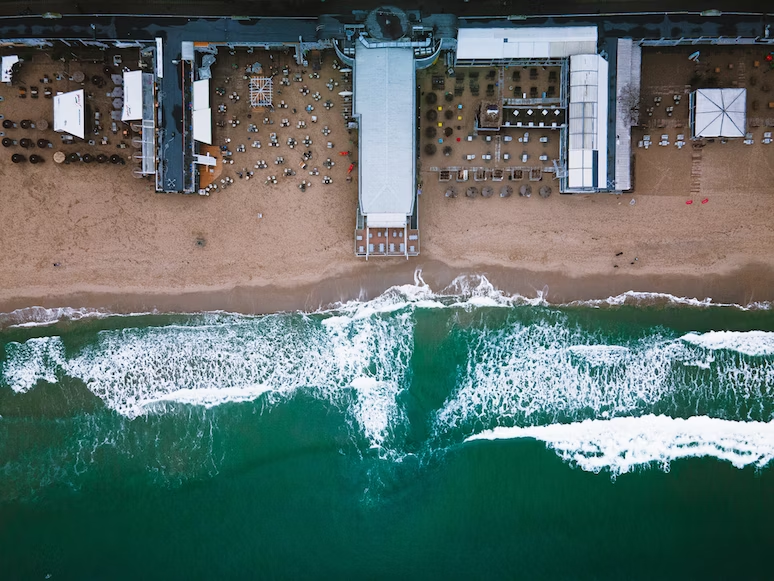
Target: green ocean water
x=459 y=435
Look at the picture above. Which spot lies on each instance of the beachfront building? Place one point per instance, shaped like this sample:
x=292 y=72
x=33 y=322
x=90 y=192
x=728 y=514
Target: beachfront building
x=579 y=103
x=386 y=54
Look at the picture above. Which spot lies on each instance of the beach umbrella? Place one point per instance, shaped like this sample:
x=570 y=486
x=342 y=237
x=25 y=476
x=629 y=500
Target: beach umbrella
x=7 y=142
x=430 y=149
x=36 y=159
x=26 y=142
x=102 y=158
x=448 y=131
x=431 y=98
x=25 y=124
x=525 y=191
x=447 y=151
x=7 y=123
x=78 y=76
x=430 y=132
x=73 y=158
x=59 y=157
x=448 y=114
x=487 y=192
x=18 y=158
x=41 y=125
x=43 y=143
x=115 y=159
x=545 y=191
x=431 y=115
x=88 y=158
x=506 y=192
x=472 y=192
x=451 y=192
x=449 y=97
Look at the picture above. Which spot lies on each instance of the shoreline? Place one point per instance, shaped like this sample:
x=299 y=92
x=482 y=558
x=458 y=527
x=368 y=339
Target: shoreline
x=744 y=286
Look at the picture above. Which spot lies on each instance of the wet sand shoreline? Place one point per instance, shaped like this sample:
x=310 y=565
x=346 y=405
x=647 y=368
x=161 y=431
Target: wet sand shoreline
x=745 y=286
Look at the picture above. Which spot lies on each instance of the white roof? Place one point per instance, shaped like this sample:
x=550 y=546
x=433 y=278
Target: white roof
x=202 y=125
x=720 y=113
x=201 y=94
x=68 y=113
x=132 y=96
x=384 y=220
x=587 y=126
x=384 y=87
x=525 y=42
x=8 y=62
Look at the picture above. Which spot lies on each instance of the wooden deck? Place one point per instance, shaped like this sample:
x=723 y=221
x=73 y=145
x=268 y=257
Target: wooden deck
x=208 y=174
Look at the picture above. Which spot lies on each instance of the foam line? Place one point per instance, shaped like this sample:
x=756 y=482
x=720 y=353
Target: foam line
x=753 y=343
x=621 y=445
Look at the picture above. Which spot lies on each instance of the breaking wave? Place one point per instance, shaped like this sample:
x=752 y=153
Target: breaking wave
x=521 y=367
x=621 y=445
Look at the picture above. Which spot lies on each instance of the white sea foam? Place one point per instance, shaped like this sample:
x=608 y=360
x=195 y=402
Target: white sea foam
x=753 y=343
x=43 y=317
x=621 y=445
x=551 y=369
x=210 y=397
x=640 y=298
x=34 y=360
x=357 y=361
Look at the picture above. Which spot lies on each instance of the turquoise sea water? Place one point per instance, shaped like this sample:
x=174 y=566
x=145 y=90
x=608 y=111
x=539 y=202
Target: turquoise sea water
x=455 y=435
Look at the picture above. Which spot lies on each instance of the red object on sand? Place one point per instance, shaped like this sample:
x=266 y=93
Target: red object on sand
x=689 y=202
x=351 y=167
x=343 y=153
x=458 y=140
x=705 y=200
x=769 y=57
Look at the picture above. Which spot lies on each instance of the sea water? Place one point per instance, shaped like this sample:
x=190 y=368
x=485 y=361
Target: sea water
x=454 y=433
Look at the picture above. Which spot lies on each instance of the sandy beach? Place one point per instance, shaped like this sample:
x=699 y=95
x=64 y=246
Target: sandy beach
x=120 y=246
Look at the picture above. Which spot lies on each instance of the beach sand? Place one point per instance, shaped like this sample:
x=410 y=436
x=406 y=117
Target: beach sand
x=120 y=246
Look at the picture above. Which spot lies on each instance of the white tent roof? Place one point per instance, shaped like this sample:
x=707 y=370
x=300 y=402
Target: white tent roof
x=202 y=125
x=720 y=113
x=201 y=94
x=587 y=126
x=132 y=96
x=384 y=88
x=68 y=113
x=8 y=62
x=525 y=42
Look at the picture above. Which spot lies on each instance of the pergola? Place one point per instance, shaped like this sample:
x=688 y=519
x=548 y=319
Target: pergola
x=261 y=91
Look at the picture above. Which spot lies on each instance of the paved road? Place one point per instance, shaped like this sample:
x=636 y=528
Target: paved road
x=316 y=7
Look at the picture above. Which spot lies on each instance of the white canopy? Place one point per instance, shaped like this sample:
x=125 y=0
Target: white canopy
x=525 y=42
x=385 y=220
x=68 y=113
x=719 y=112
x=132 y=96
x=8 y=62
x=201 y=94
x=202 y=125
x=205 y=159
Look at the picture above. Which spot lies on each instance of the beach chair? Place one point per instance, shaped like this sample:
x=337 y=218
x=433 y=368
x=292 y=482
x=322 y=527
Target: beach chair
x=34 y=92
